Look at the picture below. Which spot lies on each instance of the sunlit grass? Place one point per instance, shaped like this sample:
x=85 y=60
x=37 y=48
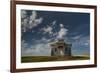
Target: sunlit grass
x=26 y=59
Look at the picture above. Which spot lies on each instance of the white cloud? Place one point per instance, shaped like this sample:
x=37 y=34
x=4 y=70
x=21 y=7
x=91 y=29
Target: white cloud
x=83 y=41
x=54 y=22
x=45 y=40
x=39 y=49
x=35 y=22
x=39 y=20
x=83 y=44
x=76 y=37
x=55 y=34
x=24 y=46
x=62 y=32
x=24 y=24
x=86 y=43
x=29 y=22
x=43 y=49
x=48 y=29
x=61 y=25
x=23 y=14
x=33 y=16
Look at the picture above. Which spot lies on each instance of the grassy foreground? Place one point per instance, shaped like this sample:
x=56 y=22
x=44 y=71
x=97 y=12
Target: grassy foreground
x=27 y=59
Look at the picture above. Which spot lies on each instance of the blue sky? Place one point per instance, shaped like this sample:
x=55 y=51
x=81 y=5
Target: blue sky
x=40 y=28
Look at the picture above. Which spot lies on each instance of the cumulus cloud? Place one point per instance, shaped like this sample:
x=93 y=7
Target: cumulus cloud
x=48 y=29
x=54 y=22
x=81 y=46
x=35 y=22
x=82 y=41
x=45 y=39
x=55 y=34
x=23 y=14
x=29 y=21
x=24 y=44
x=33 y=16
x=58 y=34
x=62 y=32
x=61 y=25
x=39 y=49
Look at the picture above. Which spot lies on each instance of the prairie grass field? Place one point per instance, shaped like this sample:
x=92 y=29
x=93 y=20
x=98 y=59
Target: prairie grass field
x=27 y=59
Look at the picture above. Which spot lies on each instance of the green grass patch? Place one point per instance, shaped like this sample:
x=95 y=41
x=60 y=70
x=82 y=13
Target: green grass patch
x=27 y=59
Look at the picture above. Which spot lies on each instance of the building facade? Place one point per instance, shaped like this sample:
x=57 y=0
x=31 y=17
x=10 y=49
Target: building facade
x=60 y=48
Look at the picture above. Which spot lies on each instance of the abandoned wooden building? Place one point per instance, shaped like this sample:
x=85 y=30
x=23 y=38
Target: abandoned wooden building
x=60 y=48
